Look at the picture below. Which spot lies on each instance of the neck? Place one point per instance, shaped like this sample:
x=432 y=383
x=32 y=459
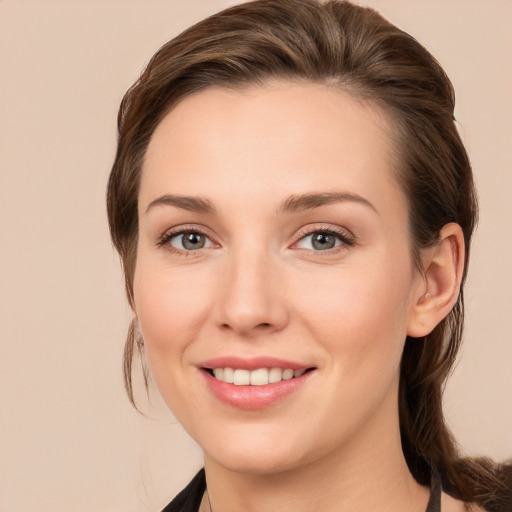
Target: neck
x=365 y=476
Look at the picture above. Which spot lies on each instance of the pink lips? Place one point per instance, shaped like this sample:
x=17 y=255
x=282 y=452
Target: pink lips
x=252 y=363
x=253 y=397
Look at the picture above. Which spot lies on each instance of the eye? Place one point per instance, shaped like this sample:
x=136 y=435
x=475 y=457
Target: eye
x=187 y=240
x=323 y=240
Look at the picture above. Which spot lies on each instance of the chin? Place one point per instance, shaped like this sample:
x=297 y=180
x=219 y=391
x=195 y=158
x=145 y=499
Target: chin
x=257 y=455
x=255 y=463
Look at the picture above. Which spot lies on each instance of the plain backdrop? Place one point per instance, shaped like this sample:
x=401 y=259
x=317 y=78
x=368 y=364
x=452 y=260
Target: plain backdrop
x=69 y=440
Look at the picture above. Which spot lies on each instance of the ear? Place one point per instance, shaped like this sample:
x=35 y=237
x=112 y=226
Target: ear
x=436 y=295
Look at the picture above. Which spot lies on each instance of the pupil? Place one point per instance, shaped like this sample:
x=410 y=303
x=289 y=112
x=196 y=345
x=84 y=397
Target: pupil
x=322 y=241
x=193 y=241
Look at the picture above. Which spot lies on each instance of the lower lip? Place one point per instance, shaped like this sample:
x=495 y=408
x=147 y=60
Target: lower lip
x=254 y=397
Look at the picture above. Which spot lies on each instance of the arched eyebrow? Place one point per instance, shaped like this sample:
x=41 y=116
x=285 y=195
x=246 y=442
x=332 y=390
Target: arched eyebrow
x=193 y=204
x=295 y=203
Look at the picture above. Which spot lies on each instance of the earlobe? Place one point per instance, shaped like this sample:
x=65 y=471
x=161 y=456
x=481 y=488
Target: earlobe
x=443 y=268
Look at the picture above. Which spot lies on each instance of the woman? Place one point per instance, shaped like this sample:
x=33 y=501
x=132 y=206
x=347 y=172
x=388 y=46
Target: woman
x=294 y=207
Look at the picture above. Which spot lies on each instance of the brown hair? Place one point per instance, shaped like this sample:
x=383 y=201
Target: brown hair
x=353 y=48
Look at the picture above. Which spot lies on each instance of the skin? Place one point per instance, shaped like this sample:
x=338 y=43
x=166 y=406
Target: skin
x=259 y=287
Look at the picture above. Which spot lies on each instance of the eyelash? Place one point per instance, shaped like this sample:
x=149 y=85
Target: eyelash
x=164 y=240
x=347 y=240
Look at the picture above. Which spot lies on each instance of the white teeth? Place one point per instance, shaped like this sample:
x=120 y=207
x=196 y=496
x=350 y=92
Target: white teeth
x=287 y=374
x=242 y=378
x=275 y=375
x=259 y=377
x=228 y=375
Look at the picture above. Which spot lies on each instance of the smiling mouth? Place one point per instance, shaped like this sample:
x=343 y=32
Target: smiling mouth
x=258 y=377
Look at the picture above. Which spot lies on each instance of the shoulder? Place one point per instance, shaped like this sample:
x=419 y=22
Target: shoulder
x=189 y=499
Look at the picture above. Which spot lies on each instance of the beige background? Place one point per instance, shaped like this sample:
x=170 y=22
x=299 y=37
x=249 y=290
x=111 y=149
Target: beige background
x=69 y=440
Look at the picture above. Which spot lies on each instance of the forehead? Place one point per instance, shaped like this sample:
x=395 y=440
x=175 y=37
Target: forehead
x=278 y=138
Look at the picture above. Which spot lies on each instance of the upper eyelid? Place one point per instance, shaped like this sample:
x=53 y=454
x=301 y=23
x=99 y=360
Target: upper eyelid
x=184 y=228
x=323 y=228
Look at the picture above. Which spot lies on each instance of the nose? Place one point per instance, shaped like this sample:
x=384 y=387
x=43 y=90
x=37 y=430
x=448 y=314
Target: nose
x=250 y=300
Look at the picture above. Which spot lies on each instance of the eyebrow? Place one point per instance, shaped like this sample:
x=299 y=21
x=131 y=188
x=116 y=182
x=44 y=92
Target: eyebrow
x=193 y=204
x=291 y=204
x=295 y=203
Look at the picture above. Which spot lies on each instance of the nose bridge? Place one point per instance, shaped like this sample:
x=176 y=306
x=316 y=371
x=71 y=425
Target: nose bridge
x=251 y=301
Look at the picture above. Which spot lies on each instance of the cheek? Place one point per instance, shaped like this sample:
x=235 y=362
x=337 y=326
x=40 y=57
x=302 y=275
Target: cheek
x=170 y=309
x=359 y=314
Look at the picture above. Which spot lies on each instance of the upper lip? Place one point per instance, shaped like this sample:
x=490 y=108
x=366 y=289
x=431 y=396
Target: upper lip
x=252 y=363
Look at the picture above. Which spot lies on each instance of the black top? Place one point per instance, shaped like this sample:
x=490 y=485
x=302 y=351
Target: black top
x=189 y=499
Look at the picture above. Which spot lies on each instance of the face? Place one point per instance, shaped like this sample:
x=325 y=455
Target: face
x=273 y=242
